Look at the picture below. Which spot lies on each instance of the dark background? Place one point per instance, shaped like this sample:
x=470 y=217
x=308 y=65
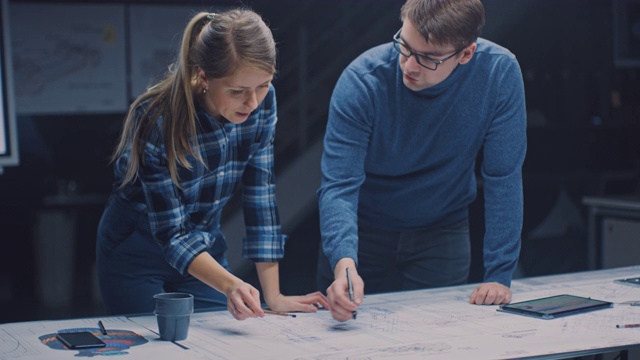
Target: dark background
x=583 y=114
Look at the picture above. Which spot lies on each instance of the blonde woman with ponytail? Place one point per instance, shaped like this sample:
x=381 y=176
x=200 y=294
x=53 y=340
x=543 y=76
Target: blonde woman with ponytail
x=187 y=145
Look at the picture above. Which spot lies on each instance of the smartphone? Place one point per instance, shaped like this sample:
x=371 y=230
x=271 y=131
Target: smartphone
x=80 y=340
x=635 y=281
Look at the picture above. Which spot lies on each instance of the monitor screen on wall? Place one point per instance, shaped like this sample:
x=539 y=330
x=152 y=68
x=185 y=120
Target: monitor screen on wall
x=8 y=131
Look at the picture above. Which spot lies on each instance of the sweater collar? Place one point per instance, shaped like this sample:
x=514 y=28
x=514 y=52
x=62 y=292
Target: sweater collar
x=456 y=75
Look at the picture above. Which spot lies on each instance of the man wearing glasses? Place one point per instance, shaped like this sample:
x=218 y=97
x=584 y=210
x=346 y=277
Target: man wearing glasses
x=407 y=121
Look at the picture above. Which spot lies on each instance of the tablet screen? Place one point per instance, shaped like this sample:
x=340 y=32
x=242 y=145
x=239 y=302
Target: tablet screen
x=635 y=281
x=555 y=306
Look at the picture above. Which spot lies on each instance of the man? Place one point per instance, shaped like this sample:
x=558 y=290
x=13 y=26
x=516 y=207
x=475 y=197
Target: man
x=407 y=120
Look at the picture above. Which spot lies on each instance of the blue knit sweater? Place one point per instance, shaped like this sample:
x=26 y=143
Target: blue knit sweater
x=398 y=159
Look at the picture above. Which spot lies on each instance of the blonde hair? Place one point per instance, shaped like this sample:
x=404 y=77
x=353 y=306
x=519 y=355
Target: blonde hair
x=216 y=43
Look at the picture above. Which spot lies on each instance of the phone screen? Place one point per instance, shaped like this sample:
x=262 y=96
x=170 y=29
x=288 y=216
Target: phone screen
x=80 y=340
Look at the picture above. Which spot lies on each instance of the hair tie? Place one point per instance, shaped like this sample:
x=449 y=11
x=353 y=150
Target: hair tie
x=211 y=16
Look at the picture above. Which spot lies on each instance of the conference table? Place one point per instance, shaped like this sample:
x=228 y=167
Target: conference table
x=423 y=324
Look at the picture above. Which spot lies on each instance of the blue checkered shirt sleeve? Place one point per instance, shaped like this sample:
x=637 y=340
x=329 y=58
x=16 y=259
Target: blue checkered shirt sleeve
x=186 y=221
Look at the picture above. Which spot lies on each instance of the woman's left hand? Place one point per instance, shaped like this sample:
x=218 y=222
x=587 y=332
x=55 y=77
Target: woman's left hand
x=304 y=303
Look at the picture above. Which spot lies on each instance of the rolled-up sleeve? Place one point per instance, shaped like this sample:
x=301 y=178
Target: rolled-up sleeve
x=264 y=241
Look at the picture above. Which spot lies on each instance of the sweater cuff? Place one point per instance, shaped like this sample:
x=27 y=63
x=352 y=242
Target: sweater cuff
x=341 y=253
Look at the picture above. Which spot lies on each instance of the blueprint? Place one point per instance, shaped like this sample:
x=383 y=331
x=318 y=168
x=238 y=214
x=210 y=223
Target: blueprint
x=433 y=324
x=156 y=33
x=68 y=58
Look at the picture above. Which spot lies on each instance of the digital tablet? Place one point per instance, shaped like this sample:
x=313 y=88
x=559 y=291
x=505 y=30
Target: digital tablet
x=555 y=306
x=634 y=281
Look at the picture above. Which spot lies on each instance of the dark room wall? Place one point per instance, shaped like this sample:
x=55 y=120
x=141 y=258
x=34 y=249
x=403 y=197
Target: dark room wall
x=583 y=114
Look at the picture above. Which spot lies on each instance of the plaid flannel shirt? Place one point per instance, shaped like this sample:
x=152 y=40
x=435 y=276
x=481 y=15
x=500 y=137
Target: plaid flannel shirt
x=186 y=221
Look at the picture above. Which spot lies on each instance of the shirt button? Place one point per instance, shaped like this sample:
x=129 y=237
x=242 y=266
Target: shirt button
x=216 y=202
x=221 y=173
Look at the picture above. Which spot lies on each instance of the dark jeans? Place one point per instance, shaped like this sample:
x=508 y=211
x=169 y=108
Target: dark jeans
x=131 y=265
x=408 y=260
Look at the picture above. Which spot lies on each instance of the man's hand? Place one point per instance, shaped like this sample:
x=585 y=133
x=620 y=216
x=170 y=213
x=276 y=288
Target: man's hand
x=490 y=294
x=342 y=308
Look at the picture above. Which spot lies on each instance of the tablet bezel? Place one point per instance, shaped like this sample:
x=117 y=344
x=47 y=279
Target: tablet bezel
x=565 y=305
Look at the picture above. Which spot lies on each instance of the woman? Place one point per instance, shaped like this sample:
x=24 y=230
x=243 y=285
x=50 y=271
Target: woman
x=187 y=145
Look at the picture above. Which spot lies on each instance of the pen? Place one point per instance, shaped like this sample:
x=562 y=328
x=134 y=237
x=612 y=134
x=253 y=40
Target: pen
x=350 y=284
x=271 y=312
x=628 y=326
x=102 y=329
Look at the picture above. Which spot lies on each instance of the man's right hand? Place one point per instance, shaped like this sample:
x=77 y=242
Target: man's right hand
x=342 y=308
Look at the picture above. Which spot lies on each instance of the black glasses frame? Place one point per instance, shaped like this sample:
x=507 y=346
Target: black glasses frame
x=402 y=47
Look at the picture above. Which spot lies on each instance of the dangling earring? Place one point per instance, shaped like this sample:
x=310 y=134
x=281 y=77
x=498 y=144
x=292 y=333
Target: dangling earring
x=204 y=91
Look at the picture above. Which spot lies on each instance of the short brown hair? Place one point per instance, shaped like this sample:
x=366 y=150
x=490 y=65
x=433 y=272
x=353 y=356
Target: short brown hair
x=443 y=22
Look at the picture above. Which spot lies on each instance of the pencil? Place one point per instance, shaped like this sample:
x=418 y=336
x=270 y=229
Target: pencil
x=279 y=313
x=102 y=329
x=628 y=326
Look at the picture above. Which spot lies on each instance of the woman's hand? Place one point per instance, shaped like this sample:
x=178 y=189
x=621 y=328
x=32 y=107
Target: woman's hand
x=243 y=301
x=304 y=303
x=270 y=281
